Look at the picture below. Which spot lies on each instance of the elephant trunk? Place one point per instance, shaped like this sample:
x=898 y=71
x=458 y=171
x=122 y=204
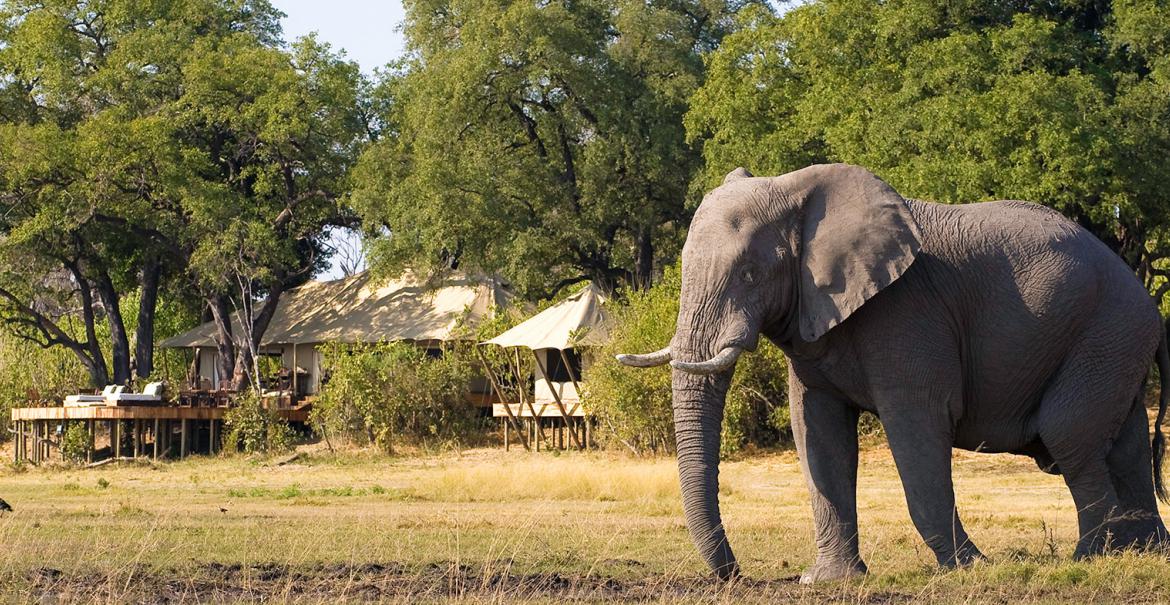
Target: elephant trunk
x=698 y=419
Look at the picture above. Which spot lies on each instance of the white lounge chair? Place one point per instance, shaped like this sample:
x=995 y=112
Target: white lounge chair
x=151 y=395
x=81 y=401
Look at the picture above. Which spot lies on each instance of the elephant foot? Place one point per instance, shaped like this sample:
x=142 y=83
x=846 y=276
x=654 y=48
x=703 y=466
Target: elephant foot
x=827 y=570
x=965 y=556
x=1130 y=531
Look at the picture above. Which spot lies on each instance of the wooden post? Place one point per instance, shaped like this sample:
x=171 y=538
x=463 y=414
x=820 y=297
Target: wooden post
x=294 y=374
x=116 y=435
x=538 y=434
x=91 y=438
x=510 y=419
x=211 y=438
x=16 y=443
x=183 y=438
x=136 y=436
x=556 y=396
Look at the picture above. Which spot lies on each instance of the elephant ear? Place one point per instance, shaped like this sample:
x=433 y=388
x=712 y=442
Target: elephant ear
x=857 y=238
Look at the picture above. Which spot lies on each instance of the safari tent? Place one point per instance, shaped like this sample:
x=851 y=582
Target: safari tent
x=356 y=310
x=554 y=338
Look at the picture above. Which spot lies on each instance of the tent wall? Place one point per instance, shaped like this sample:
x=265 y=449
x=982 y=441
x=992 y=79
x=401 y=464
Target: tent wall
x=543 y=388
x=308 y=358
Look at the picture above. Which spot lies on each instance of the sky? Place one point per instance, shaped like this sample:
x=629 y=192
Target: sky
x=366 y=29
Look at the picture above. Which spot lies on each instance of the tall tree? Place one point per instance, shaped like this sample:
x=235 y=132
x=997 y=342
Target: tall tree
x=177 y=144
x=1063 y=102
x=540 y=140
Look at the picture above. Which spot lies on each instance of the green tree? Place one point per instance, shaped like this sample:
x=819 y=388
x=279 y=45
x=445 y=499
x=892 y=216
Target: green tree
x=1062 y=102
x=540 y=140
x=175 y=147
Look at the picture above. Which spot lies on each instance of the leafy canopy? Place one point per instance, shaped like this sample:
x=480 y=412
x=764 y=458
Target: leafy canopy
x=542 y=140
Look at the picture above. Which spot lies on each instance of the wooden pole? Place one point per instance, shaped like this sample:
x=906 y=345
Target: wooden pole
x=557 y=397
x=211 y=438
x=91 y=429
x=538 y=433
x=183 y=438
x=294 y=374
x=117 y=437
x=136 y=436
x=499 y=391
x=155 y=435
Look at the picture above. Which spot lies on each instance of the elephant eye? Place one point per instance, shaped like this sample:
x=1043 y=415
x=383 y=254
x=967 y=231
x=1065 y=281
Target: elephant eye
x=746 y=274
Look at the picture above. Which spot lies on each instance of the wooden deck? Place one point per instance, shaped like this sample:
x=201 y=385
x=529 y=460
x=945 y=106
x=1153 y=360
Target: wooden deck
x=157 y=431
x=141 y=412
x=548 y=409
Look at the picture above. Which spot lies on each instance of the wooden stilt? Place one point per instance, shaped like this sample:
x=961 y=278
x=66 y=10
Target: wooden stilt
x=117 y=437
x=91 y=438
x=499 y=391
x=136 y=436
x=183 y=438
x=155 y=435
x=211 y=436
x=556 y=397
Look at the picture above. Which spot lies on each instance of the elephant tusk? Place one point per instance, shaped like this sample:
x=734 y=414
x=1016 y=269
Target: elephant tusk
x=648 y=360
x=724 y=360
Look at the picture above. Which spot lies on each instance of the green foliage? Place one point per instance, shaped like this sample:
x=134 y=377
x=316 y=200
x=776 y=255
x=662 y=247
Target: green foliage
x=30 y=374
x=251 y=428
x=542 y=140
x=633 y=407
x=388 y=393
x=75 y=442
x=1062 y=103
x=185 y=135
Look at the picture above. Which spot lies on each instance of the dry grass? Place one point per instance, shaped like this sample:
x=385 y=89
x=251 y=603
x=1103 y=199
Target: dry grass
x=494 y=527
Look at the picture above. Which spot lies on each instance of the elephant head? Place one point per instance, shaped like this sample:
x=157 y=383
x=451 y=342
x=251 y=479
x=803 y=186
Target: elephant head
x=790 y=256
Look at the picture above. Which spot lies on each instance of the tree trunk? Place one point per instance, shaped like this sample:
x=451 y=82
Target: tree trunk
x=224 y=342
x=644 y=258
x=144 y=335
x=119 y=340
x=93 y=358
x=245 y=361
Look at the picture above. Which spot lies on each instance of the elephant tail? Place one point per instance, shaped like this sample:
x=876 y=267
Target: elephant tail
x=1159 y=444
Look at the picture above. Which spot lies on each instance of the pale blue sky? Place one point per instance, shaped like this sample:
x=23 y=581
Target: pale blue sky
x=366 y=29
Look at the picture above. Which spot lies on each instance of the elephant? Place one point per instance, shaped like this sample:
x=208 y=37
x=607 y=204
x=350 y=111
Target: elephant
x=992 y=327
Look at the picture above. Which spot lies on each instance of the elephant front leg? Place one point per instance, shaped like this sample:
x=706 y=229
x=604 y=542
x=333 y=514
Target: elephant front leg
x=921 y=445
x=825 y=429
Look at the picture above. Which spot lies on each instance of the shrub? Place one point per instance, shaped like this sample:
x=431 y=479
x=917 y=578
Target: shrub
x=383 y=393
x=253 y=429
x=75 y=442
x=633 y=407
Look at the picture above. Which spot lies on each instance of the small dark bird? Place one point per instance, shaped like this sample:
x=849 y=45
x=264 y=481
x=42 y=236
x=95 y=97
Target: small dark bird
x=222 y=509
x=5 y=507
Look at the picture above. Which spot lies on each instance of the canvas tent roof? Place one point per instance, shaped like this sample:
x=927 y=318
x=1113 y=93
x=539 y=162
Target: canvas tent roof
x=356 y=309
x=578 y=320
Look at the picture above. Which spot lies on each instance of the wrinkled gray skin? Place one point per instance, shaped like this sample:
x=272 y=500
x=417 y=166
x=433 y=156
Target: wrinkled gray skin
x=996 y=327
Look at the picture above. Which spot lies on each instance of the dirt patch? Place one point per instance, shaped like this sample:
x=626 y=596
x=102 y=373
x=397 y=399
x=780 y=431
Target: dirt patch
x=394 y=582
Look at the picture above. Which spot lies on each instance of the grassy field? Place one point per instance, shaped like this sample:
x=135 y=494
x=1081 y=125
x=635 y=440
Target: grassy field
x=486 y=526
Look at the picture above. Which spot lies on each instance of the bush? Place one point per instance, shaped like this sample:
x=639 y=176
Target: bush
x=253 y=429
x=633 y=407
x=75 y=442
x=384 y=393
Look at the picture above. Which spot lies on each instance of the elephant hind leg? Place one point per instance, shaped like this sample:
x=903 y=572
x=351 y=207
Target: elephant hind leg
x=1086 y=421
x=1139 y=524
